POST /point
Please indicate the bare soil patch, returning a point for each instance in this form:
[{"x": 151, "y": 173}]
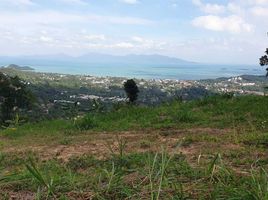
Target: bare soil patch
[{"x": 99, "y": 144}]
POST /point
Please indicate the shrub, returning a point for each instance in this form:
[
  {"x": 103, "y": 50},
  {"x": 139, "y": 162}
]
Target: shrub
[{"x": 85, "y": 123}]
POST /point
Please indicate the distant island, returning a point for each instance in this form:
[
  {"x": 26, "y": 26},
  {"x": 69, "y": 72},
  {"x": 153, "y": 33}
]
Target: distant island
[
  {"x": 130, "y": 59},
  {"x": 146, "y": 66},
  {"x": 17, "y": 67}
]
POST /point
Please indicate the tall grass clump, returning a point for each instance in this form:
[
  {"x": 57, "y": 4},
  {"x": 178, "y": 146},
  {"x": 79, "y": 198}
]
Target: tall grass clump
[
  {"x": 157, "y": 173},
  {"x": 85, "y": 123},
  {"x": 259, "y": 184},
  {"x": 118, "y": 151},
  {"x": 43, "y": 181}
]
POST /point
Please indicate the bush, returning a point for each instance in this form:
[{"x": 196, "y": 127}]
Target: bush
[{"x": 86, "y": 123}]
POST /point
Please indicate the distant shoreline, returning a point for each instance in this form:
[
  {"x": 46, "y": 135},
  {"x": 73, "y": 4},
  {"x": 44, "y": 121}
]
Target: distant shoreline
[
  {"x": 33, "y": 70},
  {"x": 146, "y": 74}
]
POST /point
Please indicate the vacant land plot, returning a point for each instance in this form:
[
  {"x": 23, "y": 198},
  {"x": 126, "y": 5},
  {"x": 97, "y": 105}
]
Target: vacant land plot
[{"x": 214, "y": 148}]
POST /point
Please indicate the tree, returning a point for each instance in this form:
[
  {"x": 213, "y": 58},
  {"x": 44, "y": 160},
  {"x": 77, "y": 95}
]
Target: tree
[
  {"x": 131, "y": 90},
  {"x": 14, "y": 96},
  {"x": 264, "y": 61}
]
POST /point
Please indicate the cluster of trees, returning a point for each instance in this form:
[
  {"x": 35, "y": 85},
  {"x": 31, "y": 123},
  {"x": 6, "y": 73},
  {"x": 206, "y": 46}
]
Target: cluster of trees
[{"x": 14, "y": 97}]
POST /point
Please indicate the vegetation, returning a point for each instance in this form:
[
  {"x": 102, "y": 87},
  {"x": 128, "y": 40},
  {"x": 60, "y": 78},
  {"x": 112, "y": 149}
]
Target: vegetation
[
  {"x": 131, "y": 90},
  {"x": 213, "y": 148},
  {"x": 65, "y": 96},
  {"x": 264, "y": 61},
  {"x": 14, "y": 96}
]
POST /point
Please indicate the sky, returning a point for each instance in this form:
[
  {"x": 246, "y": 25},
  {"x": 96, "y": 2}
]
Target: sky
[{"x": 207, "y": 31}]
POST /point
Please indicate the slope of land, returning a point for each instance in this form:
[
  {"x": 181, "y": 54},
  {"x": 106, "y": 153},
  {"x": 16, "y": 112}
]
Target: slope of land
[
  {"x": 214, "y": 148},
  {"x": 56, "y": 90}
]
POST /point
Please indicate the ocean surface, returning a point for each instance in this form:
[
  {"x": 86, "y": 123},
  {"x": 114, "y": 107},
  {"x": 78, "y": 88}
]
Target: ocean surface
[{"x": 176, "y": 72}]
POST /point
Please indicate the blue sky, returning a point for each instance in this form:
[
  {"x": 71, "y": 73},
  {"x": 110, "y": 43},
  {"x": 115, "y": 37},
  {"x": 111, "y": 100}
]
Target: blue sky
[{"x": 219, "y": 31}]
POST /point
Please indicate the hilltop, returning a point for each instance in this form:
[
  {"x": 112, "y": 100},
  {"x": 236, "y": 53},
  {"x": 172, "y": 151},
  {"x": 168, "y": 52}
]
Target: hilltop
[{"x": 204, "y": 149}]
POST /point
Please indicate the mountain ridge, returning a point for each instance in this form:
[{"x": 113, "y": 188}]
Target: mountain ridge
[{"x": 101, "y": 58}]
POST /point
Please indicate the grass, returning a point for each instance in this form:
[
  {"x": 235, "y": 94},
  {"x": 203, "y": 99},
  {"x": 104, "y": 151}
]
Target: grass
[
  {"x": 144, "y": 176},
  {"x": 248, "y": 112},
  {"x": 214, "y": 148}
]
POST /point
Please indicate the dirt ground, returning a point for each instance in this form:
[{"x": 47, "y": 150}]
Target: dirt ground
[{"x": 101, "y": 144}]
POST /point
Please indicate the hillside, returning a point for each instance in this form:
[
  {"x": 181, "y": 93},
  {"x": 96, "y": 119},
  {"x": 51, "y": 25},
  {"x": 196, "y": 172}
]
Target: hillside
[
  {"x": 213, "y": 148},
  {"x": 56, "y": 90}
]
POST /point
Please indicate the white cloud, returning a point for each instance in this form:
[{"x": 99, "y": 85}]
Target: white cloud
[
  {"x": 235, "y": 8},
  {"x": 25, "y": 19},
  {"x": 209, "y": 8},
  {"x": 17, "y": 2},
  {"x": 130, "y": 1},
  {"x": 259, "y": 2},
  {"x": 78, "y": 2},
  {"x": 119, "y": 20},
  {"x": 46, "y": 29},
  {"x": 95, "y": 37},
  {"x": 46, "y": 39},
  {"x": 232, "y": 24},
  {"x": 137, "y": 39},
  {"x": 260, "y": 11},
  {"x": 125, "y": 45}
]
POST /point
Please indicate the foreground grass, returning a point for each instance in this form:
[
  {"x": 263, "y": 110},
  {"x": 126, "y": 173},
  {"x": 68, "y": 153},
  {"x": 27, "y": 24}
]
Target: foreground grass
[
  {"x": 215, "y": 148},
  {"x": 132, "y": 176}
]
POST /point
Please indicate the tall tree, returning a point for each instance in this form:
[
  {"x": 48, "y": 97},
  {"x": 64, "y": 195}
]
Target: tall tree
[
  {"x": 131, "y": 90},
  {"x": 264, "y": 61}
]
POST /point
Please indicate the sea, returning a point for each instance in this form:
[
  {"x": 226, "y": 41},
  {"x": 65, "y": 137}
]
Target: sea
[{"x": 147, "y": 71}]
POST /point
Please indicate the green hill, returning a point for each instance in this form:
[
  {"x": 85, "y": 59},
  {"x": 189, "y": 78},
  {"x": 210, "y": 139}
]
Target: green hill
[
  {"x": 17, "y": 67},
  {"x": 213, "y": 148}
]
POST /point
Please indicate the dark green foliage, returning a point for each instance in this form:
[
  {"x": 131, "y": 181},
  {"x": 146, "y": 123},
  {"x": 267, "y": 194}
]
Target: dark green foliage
[
  {"x": 14, "y": 96},
  {"x": 264, "y": 61},
  {"x": 131, "y": 90}
]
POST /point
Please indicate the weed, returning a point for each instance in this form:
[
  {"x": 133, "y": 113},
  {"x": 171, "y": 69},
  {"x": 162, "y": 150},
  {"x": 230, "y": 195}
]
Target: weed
[
  {"x": 118, "y": 150},
  {"x": 259, "y": 184},
  {"x": 45, "y": 182},
  {"x": 156, "y": 173}
]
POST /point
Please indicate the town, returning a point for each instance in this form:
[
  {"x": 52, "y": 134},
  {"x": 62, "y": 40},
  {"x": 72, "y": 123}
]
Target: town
[{"x": 53, "y": 89}]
